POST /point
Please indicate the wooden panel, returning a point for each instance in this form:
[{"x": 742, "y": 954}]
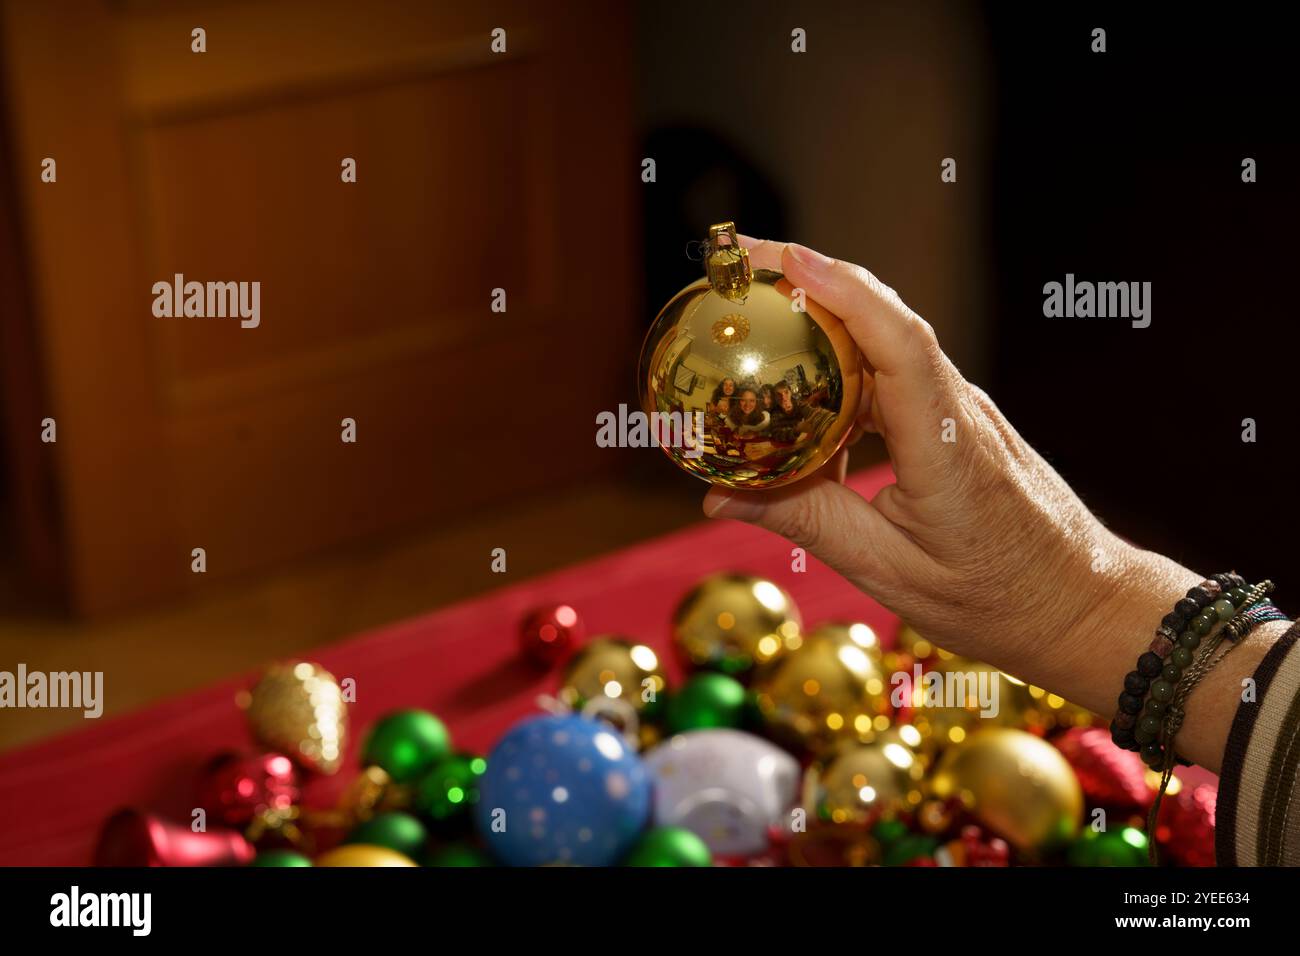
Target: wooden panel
[
  {"x": 475, "y": 171},
  {"x": 402, "y": 257}
]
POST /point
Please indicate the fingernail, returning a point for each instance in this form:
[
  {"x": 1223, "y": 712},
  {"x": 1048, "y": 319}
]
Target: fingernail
[
  {"x": 809, "y": 258},
  {"x": 719, "y": 503}
]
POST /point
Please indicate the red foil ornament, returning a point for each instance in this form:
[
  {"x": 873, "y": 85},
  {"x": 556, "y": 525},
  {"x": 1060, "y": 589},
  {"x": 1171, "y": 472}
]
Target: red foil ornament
[
  {"x": 237, "y": 788},
  {"x": 549, "y": 633},
  {"x": 1110, "y": 777},
  {"x": 1185, "y": 825},
  {"x": 134, "y": 838},
  {"x": 974, "y": 847}
]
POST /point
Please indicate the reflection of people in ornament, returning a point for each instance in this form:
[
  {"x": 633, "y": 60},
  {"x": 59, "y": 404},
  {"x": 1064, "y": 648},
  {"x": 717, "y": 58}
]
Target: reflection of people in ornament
[
  {"x": 746, "y": 417},
  {"x": 981, "y": 522},
  {"x": 787, "y": 416},
  {"x": 718, "y": 426},
  {"x": 725, "y": 390}
]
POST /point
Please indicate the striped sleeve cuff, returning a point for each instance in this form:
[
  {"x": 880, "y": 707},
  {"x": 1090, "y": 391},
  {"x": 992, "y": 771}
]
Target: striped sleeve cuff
[{"x": 1257, "y": 816}]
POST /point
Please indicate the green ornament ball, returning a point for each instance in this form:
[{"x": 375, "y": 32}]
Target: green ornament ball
[
  {"x": 669, "y": 846},
  {"x": 908, "y": 848},
  {"x": 406, "y": 743},
  {"x": 280, "y": 858},
  {"x": 445, "y": 794},
  {"x": 1126, "y": 846},
  {"x": 706, "y": 700},
  {"x": 395, "y": 830},
  {"x": 458, "y": 854},
  {"x": 889, "y": 830}
]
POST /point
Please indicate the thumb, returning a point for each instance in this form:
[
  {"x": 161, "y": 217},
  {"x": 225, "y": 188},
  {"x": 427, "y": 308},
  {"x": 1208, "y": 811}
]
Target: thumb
[{"x": 822, "y": 516}]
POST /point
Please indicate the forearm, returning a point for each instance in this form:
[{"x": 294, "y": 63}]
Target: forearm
[{"x": 1134, "y": 589}]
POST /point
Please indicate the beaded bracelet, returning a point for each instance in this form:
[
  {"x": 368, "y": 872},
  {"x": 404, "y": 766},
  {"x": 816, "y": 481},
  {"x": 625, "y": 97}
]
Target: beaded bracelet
[
  {"x": 1162, "y": 716},
  {"x": 1256, "y": 610},
  {"x": 1179, "y": 633}
]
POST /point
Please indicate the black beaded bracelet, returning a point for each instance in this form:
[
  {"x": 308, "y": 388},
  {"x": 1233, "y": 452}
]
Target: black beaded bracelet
[
  {"x": 1170, "y": 651},
  {"x": 1158, "y": 724},
  {"x": 1160, "y": 754}
]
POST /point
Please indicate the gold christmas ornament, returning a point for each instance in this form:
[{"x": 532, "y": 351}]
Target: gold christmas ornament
[
  {"x": 297, "y": 709},
  {"x": 1016, "y": 784},
  {"x": 363, "y": 854},
  {"x": 868, "y": 782},
  {"x": 956, "y": 697},
  {"x": 1051, "y": 711},
  {"x": 828, "y": 691},
  {"x": 747, "y": 381},
  {"x": 912, "y": 643},
  {"x": 612, "y": 668},
  {"x": 731, "y": 622},
  {"x": 371, "y": 792}
]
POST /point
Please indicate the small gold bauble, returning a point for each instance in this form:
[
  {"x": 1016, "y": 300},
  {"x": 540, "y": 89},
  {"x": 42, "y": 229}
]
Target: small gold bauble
[
  {"x": 912, "y": 643},
  {"x": 957, "y": 696},
  {"x": 731, "y": 622},
  {"x": 612, "y": 668},
  {"x": 1016, "y": 784},
  {"x": 363, "y": 854},
  {"x": 298, "y": 709},
  {"x": 1051, "y": 711},
  {"x": 744, "y": 388},
  {"x": 866, "y": 782},
  {"x": 828, "y": 691}
]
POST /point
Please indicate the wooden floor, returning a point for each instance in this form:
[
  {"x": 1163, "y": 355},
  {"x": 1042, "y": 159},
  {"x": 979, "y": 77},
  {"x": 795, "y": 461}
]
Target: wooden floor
[{"x": 171, "y": 649}]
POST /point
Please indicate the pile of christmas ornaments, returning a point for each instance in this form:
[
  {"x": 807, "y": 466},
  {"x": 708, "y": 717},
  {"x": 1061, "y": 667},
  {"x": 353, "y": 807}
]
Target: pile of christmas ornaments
[{"x": 784, "y": 745}]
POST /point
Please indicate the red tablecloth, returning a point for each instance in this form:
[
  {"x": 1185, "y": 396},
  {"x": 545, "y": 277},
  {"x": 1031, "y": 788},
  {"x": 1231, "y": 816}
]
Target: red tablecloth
[{"x": 461, "y": 662}]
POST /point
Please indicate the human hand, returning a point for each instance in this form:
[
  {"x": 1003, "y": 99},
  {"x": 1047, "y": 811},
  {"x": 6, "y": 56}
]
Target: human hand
[{"x": 979, "y": 543}]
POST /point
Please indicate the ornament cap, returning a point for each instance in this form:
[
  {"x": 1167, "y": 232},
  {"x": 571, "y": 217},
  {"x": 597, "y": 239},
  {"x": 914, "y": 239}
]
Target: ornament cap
[{"x": 727, "y": 264}]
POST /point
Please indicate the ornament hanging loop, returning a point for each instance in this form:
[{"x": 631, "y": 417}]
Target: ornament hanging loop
[{"x": 727, "y": 265}]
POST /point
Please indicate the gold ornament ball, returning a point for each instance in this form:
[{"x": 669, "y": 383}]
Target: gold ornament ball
[
  {"x": 868, "y": 782},
  {"x": 613, "y": 668},
  {"x": 363, "y": 854},
  {"x": 1016, "y": 784},
  {"x": 828, "y": 691},
  {"x": 731, "y": 622},
  {"x": 1052, "y": 711},
  {"x": 947, "y": 704},
  {"x": 742, "y": 387},
  {"x": 911, "y": 642},
  {"x": 297, "y": 709}
]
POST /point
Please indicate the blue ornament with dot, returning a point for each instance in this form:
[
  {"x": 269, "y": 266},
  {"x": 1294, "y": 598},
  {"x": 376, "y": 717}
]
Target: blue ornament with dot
[{"x": 562, "y": 789}]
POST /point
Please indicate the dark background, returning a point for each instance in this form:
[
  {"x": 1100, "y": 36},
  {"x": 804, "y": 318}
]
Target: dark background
[{"x": 1127, "y": 166}]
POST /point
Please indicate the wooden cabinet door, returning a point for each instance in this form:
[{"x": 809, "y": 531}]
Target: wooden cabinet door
[{"x": 476, "y": 171}]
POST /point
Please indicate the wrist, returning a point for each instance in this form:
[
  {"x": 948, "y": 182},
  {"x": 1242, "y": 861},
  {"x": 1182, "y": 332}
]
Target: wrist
[
  {"x": 1103, "y": 614},
  {"x": 1134, "y": 590}
]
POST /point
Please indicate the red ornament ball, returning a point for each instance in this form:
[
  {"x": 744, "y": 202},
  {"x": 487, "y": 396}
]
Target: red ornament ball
[
  {"x": 1185, "y": 825},
  {"x": 1110, "y": 777},
  {"x": 236, "y": 788},
  {"x": 549, "y": 633},
  {"x": 976, "y": 848}
]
